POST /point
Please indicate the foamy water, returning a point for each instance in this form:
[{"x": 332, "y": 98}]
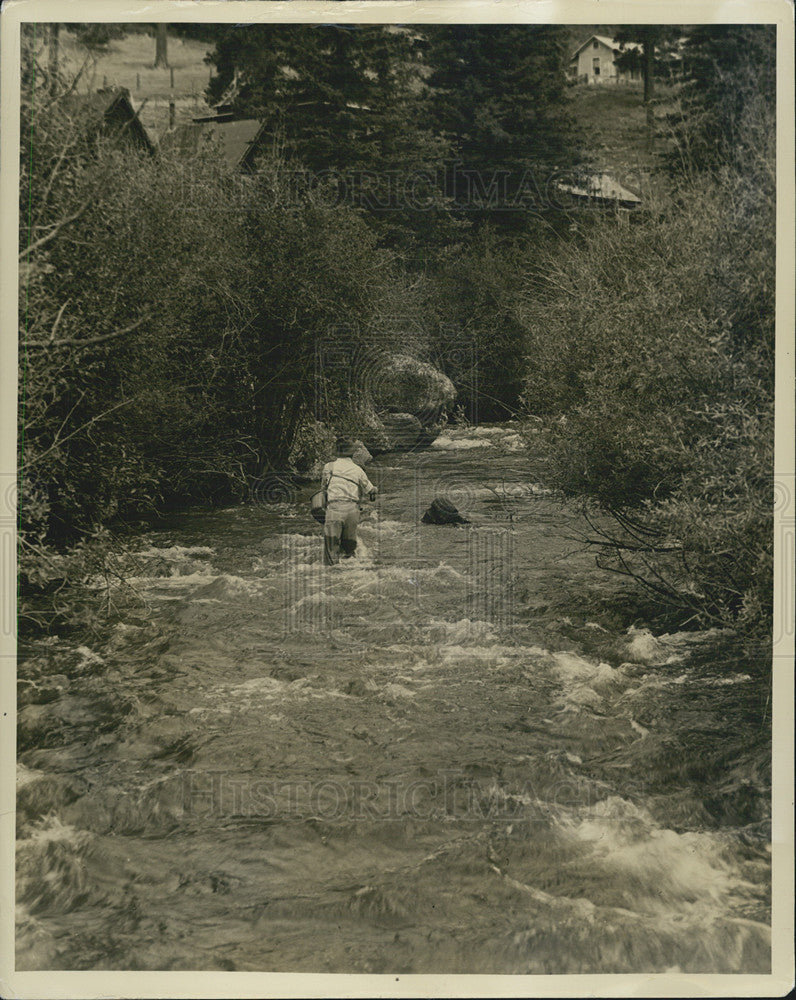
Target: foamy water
[{"x": 435, "y": 757}]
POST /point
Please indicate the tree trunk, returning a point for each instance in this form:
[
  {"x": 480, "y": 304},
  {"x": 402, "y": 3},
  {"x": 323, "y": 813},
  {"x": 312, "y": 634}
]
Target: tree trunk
[
  {"x": 161, "y": 45},
  {"x": 52, "y": 63}
]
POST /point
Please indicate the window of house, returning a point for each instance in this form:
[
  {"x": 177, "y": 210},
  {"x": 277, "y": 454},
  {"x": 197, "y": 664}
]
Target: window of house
[{"x": 594, "y": 44}]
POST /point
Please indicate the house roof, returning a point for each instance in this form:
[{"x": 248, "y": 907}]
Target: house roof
[
  {"x": 616, "y": 46},
  {"x": 237, "y": 138},
  {"x": 111, "y": 106},
  {"x": 601, "y": 187}
]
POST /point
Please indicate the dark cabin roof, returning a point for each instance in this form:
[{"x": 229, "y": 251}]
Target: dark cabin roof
[
  {"x": 237, "y": 138},
  {"x": 112, "y": 112}
]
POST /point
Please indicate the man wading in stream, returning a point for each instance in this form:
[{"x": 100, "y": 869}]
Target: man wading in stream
[{"x": 346, "y": 485}]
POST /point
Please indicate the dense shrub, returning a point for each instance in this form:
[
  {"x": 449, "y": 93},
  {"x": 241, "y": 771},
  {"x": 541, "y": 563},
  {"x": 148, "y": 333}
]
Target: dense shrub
[
  {"x": 170, "y": 318},
  {"x": 651, "y": 354},
  {"x": 478, "y": 338}
]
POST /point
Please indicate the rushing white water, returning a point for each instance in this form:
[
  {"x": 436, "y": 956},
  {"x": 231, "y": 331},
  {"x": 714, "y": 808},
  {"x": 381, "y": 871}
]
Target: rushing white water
[{"x": 439, "y": 757}]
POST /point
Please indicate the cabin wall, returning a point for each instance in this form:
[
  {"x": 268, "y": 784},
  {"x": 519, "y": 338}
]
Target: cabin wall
[
  {"x": 583, "y": 67},
  {"x": 586, "y": 67}
]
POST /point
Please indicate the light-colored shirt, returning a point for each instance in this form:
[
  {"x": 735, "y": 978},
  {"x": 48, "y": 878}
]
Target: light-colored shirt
[{"x": 345, "y": 480}]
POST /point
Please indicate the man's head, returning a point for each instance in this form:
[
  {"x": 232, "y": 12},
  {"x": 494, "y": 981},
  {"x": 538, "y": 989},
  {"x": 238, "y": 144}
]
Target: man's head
[{"x": 344, "y": 447}]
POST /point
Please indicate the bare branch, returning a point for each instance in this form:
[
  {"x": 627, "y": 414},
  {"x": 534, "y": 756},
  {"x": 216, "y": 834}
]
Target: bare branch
[
  {"x": 88, "y": 341},
  {"x": 57, "y": 321},
  {"x": 89, "y": 423},
  {"x": 53, "y": 174},
  {"x": 58, "y": 227},
  {"x": 66, "y": 419}
]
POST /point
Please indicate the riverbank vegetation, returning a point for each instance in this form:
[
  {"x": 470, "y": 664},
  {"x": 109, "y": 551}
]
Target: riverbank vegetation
[
  {"x": 659, "y": 396},
  {"x": 652, "y": 354},
  {"x": 177, "y": 319}
]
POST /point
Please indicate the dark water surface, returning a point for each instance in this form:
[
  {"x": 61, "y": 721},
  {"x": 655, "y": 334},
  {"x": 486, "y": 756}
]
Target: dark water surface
[{"x": 438, "y": 757}]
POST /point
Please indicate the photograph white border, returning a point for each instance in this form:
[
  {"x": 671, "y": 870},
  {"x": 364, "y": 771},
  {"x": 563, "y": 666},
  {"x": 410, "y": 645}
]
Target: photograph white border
[{"x": 78, "y": 985}]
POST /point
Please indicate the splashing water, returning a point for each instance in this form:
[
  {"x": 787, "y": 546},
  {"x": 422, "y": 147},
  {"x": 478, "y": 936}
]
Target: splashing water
[{"x": 411, "y": 762}]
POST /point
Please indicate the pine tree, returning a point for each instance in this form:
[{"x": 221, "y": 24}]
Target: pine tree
[
  {"x": 331, "y": 90},
  {"x": 385, "y": 99},
  {"x": 499, "y": 93},
  {"x": 728, "y": 96},
  {"x": 342, "y": 102}
]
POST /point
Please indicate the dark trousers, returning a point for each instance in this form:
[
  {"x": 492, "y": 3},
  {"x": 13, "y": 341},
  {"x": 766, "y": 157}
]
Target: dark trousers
[{"x": 340, "y": 530}]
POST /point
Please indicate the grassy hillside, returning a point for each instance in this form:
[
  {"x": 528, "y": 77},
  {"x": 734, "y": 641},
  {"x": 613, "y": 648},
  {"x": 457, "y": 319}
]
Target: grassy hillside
[
  {"x": 613, "y": 119},
  {"x": 128, "y": 62}
]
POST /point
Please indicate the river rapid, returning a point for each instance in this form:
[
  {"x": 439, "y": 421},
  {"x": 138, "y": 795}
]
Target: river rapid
[{"x": 445, "y": 755}]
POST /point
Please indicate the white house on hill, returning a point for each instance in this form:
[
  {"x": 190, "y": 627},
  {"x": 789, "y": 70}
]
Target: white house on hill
[{"x": 594, "y": 61}]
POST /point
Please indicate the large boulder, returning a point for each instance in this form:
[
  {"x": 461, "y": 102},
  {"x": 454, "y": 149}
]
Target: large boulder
[
  {"x": 408, "y": 402},
  {"x": 406, "y": 385},
  {"x": 373, "y": 434}
]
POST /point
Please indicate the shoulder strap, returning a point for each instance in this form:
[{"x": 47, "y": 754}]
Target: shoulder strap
[{"x": 332, "y": 474}]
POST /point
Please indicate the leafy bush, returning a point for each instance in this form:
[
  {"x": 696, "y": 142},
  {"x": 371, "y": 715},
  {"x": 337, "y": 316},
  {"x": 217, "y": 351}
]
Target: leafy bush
[
  {"x": 170, "y": 318},
  {"x": 476, "y": 333},
  {"x": 651, "y": 355}
]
